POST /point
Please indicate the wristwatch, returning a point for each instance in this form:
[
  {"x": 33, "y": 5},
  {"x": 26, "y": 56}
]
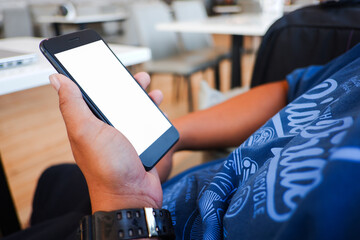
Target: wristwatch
[{"x": 127, "y": 224}]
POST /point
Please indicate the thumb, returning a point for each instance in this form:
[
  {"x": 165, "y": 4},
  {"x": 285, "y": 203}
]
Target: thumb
[{"x": 72, "y": 105}]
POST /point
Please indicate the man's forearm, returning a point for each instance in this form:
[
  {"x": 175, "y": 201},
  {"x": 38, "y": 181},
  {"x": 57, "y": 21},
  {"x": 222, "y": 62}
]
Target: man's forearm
[{"x": 230, "y": 123}]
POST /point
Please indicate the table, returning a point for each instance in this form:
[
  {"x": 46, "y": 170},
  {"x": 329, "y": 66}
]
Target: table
[
  {"x": 80, "y": 20},
  {"x": 238, "y": 25},
  {"x": 37, "y": 73},
  {"x": 226, "y": 9}
]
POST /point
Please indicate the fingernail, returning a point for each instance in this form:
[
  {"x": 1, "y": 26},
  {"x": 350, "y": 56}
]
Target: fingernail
[{"x": 54, "y": 80}]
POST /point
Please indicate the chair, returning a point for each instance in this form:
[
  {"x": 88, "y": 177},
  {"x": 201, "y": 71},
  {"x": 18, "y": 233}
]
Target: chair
[
  {"x": 250, "y": 6},
  {"x": 9, "y": 222},
  {"x": 17, "y": 22},
  {"x": 195, "y": 10},
  {"x": 308, "y": 36},
  {"x": 166, "y": 54}
]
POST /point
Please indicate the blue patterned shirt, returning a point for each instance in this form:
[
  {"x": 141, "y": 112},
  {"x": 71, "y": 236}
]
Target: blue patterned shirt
[{"x": 297, "y": 177}]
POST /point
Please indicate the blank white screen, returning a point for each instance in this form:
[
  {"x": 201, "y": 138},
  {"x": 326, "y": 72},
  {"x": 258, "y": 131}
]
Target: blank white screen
[{"x": 114, "y": 91}]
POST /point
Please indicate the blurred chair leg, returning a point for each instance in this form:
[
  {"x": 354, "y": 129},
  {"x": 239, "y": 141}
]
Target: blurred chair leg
[
  {"x": 237, "y": 46},
  {"x": 149, "y": 87},
  {"x": 217, "y": 76},
  {"x": 190, "y": 94},
  {"x": 176, "y": 87}
]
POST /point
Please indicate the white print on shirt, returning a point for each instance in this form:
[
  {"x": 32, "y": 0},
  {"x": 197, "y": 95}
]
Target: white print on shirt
[
  {"x": 353, "y": 82},
  {"x": 261, "y": 136},
  {"x": 293, "y": 171},
  {"x": 244, "y": 167},
  {"x": 302, "y": 114},
  {"x": 351, "y": 154},
  {"x": 169, "y": 201},
  {"x": 301, "y": 166},
  {"x": 298, "y": 169},
  {"x": 239, "y": 202}
]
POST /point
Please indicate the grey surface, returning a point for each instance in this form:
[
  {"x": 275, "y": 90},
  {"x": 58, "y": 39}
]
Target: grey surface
[
  {"x": 166, "y": 52},
  {"x": 17, "y": 22}
]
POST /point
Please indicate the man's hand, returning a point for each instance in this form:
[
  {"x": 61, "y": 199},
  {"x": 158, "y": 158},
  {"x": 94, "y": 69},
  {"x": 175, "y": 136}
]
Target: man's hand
[{"x": 111, "y": 166}]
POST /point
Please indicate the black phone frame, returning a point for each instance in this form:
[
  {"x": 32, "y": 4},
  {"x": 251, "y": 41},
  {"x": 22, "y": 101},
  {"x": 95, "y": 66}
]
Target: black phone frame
[{"x": 49, "y": 47}]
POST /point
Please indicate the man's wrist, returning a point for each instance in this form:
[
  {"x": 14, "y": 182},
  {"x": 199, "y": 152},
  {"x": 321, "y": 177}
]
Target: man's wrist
[{"x": 101, "y": 201}]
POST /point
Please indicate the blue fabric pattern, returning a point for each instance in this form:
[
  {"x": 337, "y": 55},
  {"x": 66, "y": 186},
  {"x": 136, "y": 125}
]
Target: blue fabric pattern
[{"x": 294, "y": 178}]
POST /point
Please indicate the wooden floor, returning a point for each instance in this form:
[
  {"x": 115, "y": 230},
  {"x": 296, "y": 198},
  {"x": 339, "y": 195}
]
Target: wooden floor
[{"x": 33, "y": 136}]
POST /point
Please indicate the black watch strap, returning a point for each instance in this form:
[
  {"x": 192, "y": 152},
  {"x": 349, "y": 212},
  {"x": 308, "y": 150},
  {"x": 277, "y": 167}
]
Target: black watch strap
[{"x": 128, "y": 224}]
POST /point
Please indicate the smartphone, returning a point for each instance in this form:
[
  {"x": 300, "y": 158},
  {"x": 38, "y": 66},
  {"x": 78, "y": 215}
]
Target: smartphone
[{"x": 111, "y": 92}]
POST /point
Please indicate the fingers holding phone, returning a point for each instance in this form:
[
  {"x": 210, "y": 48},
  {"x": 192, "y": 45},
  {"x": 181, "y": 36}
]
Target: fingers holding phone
[{"x": 144, "y": 80}]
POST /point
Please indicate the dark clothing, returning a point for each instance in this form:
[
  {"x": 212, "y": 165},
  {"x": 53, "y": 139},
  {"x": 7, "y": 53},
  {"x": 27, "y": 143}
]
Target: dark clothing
[{"x": 61, "y": 200}]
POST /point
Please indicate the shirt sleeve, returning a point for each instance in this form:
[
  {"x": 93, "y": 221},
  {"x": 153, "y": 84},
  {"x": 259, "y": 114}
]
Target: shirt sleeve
[{"x": 300, "y": 80}]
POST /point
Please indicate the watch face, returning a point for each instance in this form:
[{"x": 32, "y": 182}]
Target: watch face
[{"x": 128, "y": 224}]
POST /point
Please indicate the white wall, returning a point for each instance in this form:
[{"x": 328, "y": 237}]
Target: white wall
[
  {"x": 10, "y": 3},
  {"x": 60, "y": 1}
]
